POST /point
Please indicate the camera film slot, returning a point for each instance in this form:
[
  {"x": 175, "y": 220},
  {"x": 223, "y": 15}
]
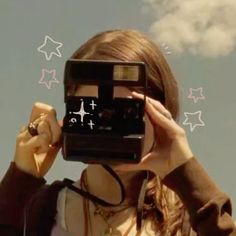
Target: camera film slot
[{"x": 102, "y": 148}]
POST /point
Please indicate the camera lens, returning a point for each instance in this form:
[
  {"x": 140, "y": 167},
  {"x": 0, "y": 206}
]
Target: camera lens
[
  {"x": 106, "y": 114},
  {"x": 130, "y": 113}
]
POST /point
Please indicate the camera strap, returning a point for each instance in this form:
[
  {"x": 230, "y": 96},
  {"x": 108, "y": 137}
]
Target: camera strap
[{"x": 69, "y": 184}]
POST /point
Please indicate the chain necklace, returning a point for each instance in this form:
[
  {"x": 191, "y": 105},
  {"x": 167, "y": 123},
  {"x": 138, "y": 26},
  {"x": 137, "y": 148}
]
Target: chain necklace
[
  {"x": 104, "y": 214},
  {"x": 107, "y": 214},
  {"x": 110, "y": 230}
]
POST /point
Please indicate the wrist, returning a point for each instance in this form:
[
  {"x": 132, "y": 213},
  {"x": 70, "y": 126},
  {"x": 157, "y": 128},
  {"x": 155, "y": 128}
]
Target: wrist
[{"x": 178, "y": 157}]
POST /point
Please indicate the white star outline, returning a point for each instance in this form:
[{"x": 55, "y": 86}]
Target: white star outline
[
  {"x": 193, "y": 126},
  {"x": 49, "y": 55},
  {"x": 49, "y": 82},
  {"x": 194, "y": 97}
]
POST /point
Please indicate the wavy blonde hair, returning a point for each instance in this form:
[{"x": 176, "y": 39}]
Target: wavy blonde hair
[{"x": 162, "y": 207}]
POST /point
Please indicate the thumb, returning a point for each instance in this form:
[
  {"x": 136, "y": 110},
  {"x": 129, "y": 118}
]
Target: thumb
[{"x": 46, "y": 160}]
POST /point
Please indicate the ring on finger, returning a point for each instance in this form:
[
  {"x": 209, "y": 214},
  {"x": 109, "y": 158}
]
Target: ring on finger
[
  {"x": 33, "y": 129},
  {"x": 33, "y": 126}
]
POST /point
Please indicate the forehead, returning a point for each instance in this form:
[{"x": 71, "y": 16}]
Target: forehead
[{"x": 92, "y": 90}]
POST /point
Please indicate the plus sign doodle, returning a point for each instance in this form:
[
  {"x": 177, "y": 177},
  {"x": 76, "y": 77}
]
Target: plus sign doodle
[
  {"x": 91, "y": 124},
  {"x": 82, "y": 113},
  {"x": 93, "y": 105}
]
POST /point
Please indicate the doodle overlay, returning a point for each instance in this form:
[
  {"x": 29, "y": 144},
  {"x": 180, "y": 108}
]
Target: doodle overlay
[
  {"x": 166, "y": 48},
  {"x": 81, "y": 113},
  {"x": 193, "y": 120},
  {"x": 50, "y": 47},
  {"x": 48, "y": 77},
  {"x": 196, "y": 94}
]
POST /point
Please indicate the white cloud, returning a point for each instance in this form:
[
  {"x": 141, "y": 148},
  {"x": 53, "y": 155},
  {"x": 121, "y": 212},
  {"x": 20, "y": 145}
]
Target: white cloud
[{"x": 205, "y": 27}]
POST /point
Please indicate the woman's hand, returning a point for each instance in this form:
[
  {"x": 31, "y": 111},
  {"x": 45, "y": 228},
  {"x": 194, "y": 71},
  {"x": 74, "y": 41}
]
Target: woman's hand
[
  {"x": 36, "y": 154},
  {"x": 171, "y": 149}
]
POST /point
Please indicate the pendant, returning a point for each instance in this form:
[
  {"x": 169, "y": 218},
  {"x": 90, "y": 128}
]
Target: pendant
[{"x": 111, "y": 232}]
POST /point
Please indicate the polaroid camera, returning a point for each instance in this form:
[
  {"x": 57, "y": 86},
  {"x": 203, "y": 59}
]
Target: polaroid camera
[{"x": 104, "y": 129}]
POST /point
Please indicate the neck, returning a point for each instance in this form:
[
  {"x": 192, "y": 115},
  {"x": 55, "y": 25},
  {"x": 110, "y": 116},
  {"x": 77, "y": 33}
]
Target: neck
[{"x": 103, "y": 185}]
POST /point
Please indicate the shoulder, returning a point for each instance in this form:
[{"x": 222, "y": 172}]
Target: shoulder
[
  {"x": 46, "y": 196},
  {"x": 41, "y": 210}
]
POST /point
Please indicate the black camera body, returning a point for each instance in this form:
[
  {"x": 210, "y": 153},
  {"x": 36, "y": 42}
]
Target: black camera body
[{"x": 104, "y": 129}]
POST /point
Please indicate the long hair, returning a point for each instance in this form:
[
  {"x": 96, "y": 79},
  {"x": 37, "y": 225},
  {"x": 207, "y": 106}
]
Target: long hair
[{"x": 162, "y": 207}]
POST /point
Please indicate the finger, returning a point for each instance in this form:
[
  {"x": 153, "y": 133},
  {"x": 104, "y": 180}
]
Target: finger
[
  {"x": 49, "y": 114},
  {"x": 38, "y": 144},
  {"x": 48, "y": 159},
  {"x": 55, "y": 128},
  {"x": 158, "y": 118},
  {"x": 41, "y": 108},
  {"x": 24, "y": 133},
  {"x": 51, "y": 126},
  {"x": 158, "y": 105},
  {"x": 44, "y": 128},
  {"x": 41, "y": 143},
  {"x": 140, "y": 96},
  {"x": 137, "y": 95},
  {"x": 60, "y": 122}
]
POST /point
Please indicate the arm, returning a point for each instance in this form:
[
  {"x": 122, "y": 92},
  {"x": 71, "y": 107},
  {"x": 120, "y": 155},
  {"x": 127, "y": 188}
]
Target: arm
[
  {"x": 34, "y": 155},
  {"x": 209, "y": 208},
  {"x": 16, "y": 188},
  {"x": 172, "y": 160}
]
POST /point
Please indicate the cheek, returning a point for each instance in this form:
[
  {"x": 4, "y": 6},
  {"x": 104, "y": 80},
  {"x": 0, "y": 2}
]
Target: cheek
[{"x": 149, "y": 136}]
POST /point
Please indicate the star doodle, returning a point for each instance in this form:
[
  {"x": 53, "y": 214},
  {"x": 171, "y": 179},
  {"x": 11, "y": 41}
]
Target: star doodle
[
  {"x": 192, "y": 116},
  {"x": 196, "y": 94},
  {"x": 50, "y": 47},
  {"x": 48, "y": 77},
  {"x": 81, "y": 112}
]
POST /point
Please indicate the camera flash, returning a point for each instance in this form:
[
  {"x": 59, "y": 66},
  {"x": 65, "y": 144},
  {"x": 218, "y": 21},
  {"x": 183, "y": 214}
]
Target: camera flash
[{"x": 127, "y": 73}]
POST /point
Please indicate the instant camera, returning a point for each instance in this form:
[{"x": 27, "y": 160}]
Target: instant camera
[{"x": 104, "y": 129}]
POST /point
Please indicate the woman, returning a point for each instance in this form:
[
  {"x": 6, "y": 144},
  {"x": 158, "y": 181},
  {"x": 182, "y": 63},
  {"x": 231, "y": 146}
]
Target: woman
[{"x": 180, "y": 198}]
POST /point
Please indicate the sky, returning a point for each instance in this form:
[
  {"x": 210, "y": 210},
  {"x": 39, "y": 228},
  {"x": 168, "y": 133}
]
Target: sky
[{"x": 197, "y": 38}]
